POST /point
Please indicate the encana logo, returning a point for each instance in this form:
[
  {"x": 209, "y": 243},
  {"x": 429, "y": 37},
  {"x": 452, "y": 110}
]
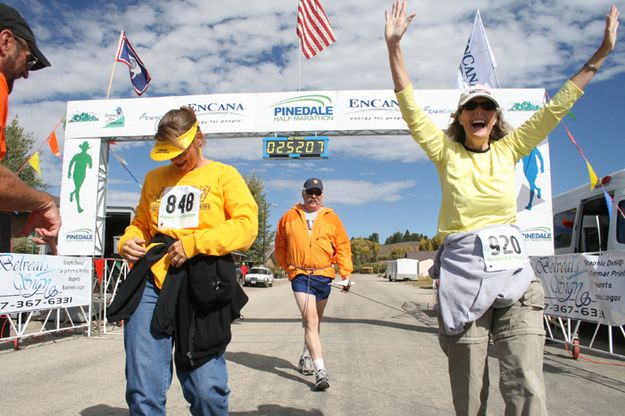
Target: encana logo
[
  {"x": 79, "y": 235},
  {"x": 312, "y": 106},
  {"x": 537, "y": 234}
]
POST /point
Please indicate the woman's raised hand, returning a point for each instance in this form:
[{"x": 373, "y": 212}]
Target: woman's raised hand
[
  {"x": 611, "y": 25},
  {"x": 396, "y": 22}
]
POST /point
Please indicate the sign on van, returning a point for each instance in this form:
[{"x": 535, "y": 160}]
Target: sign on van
[{"x": 589, "y": 287}]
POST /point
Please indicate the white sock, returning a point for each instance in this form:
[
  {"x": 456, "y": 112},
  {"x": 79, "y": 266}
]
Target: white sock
[
  {"x": 319, "y": 364},
  {"x": 306, "y": 353}
]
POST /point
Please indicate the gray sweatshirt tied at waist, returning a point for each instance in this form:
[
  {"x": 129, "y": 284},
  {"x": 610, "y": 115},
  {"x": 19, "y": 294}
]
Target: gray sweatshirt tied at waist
[{"x": 466, "y": 290}]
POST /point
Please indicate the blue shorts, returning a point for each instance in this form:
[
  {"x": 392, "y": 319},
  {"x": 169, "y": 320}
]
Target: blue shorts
[{"x": 314, "y": 285}]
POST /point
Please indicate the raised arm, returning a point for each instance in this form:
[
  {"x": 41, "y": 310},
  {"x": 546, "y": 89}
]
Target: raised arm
[
  {"x": 396, "y": 25},
  {"x": 585, "y": 74}
]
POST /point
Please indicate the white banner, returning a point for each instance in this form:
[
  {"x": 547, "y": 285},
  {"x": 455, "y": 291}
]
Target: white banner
[
  {"x": 35, "y": 282},
  {"x": 255, "y": 114},
  {"x": 584, "y": 286},
  {"x": 78, "y": 200}
]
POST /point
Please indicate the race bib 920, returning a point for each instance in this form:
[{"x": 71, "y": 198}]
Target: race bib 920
[
  {"x": 180, "y": 207},
  {"x": 503, "y": 248}
]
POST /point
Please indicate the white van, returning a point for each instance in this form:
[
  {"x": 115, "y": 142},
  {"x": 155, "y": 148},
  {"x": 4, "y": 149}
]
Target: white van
[
  {"x": 402, "y": 269},
  {"x": 581, "y": 220}
]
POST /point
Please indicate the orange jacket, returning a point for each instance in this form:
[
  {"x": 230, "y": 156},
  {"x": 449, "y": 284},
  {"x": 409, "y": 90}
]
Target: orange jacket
[{"x": 299, "y": 252}]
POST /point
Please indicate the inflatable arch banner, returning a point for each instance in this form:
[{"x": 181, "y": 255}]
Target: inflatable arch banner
[{"x": 90, "y": 124}]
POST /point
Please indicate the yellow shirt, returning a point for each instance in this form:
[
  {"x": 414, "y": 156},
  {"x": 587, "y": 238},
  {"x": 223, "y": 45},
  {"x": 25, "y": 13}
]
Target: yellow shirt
[
  {"x": 478, "y": 188},
  {"x": 228, "y": 215}
]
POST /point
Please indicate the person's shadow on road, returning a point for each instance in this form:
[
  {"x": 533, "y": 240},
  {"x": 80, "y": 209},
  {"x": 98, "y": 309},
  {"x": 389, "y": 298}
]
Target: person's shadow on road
[
  {"x": 103, "y": 410},
  {"x": 278, "y": 366},
  {"x": 277, "y": 410}
]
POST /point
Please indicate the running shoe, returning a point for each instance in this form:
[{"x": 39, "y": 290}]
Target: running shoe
[
  {"x": 306, "y": 365},
  {"x": 321, "y": 380}
]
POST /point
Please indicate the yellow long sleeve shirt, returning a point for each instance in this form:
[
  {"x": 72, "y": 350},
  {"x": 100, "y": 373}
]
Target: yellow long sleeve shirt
[
  {"x": 228, "y": 214},
  {"x": 478, "y": 188}
]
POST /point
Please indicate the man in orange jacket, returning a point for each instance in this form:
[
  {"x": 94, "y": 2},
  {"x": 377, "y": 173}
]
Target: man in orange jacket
[
  {"x": 310, "y": 240},
  {"x": 20, "y": 55}
]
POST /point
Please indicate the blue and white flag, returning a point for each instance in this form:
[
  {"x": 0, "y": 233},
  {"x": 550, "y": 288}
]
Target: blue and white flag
[
  {"x": 139, "y": 75},
  {"x": 478, "y": 63}
]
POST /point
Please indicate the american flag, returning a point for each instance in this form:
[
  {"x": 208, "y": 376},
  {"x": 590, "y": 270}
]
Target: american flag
[{"x": 313, "y": 28}]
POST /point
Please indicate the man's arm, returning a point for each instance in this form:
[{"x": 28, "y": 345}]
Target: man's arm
[{"x": 15, "y": 195}]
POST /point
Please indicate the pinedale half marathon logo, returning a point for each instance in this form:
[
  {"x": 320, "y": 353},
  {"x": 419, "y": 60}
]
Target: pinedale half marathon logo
[{"x": 312, "y": 107}]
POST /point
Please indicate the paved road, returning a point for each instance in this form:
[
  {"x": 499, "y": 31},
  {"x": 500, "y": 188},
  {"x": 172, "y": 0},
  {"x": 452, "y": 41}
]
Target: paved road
[{"x": 382, "y": 355}]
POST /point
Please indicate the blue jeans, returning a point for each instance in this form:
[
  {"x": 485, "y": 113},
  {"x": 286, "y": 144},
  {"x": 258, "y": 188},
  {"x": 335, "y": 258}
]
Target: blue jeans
[{"x": 149, "y": 368}]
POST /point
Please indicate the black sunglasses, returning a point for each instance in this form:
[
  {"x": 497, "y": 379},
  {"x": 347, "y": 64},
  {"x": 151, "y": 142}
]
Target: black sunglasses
[
  {"x": 487, "y": 105},
  {"x": 31, "y": 60},
  {"x": 316, "y": 192}
]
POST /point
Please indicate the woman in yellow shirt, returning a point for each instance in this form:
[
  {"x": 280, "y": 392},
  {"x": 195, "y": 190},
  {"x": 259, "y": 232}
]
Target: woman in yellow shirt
[
  {"x": 480, "y": 296},
  {"x": 191, "y": 215}
]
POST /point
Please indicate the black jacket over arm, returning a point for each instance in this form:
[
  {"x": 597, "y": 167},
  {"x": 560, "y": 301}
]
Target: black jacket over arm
[{"x": 196, "y": 304}]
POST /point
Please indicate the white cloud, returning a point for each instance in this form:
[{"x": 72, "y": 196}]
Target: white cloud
[
  {"x": 348, "y": 192},
  {"x": 197, "y": 47}
]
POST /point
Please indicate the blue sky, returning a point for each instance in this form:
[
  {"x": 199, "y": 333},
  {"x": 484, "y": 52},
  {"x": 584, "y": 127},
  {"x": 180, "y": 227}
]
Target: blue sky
[{"x": 377, "y": 184}]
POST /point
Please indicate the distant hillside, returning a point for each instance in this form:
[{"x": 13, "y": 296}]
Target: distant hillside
[
  {"x": 408, "y": 247},
  {"x": 385, "y": 249}
]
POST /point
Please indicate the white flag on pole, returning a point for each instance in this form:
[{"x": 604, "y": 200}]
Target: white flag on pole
[{"x": 478, "y": 63}]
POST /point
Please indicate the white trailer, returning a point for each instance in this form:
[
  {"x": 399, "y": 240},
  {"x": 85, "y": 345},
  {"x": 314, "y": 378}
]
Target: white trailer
[
  {"x": 581, "y": 219},
  {"x": 402, "y": 269}
]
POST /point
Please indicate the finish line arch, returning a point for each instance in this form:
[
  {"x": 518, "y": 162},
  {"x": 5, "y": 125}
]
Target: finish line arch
[{"x": 92, "y": 124}]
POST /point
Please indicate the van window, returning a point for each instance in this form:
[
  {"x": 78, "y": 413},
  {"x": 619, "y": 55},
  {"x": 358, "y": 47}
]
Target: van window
[
  {"x": 563, "y": 228},
  {"x": 620, "y": 224},
  {"x": 594, "y": 226}
]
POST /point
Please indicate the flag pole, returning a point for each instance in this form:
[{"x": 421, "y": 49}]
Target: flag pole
[
  {"x": 39, "y": 147},
  {"x": 299, "y": 63},
  {"x": 299, "y": 51},
  {"x": 119, "y": 45}
]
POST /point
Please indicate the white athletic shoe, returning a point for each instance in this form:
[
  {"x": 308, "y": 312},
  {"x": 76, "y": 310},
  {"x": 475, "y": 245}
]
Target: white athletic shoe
[
  {"x": 321, "y": 380},
  {"x": 305, "y": 365}
]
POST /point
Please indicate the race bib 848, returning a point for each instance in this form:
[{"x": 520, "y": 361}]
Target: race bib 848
[{"x": 180, "y": 207}]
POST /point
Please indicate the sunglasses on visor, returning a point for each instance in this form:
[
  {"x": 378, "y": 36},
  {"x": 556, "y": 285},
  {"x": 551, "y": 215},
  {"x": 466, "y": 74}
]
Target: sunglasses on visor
[{"x": 484, "y": 105}]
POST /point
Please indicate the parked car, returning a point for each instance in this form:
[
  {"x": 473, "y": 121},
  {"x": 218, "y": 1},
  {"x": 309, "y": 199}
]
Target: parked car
[{"x": 259, "y": 276}]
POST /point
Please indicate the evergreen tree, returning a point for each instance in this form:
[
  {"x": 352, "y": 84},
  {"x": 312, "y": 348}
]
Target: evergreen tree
[
  {"x": 375, "y": 237},
  {"x": 406, "y": 236},
  {"x": 261, "y": 247},
  {"x": 19, "y": 145}
]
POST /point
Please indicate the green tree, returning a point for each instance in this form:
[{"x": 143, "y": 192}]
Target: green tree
[
  {"x": 406, "y": 236},
  {"x": 424, "y": 244},
  {"x": 396, "y": 237},
  {"x": 19, "y": 145},
  {"x": 435, "y": 243},
  {"x": 375, "y": 237},
  {"x": 364, "y": 251},
  {"x": 261, "y": 247}
]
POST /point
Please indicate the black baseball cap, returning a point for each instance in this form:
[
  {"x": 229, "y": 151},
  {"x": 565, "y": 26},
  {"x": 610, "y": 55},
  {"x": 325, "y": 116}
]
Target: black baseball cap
[
  {"x": 12, "y": 20},
  {"x": 313, "y": 183}
]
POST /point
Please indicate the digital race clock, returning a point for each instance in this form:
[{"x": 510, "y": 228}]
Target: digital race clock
[{"x": 295, "y": 147}]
